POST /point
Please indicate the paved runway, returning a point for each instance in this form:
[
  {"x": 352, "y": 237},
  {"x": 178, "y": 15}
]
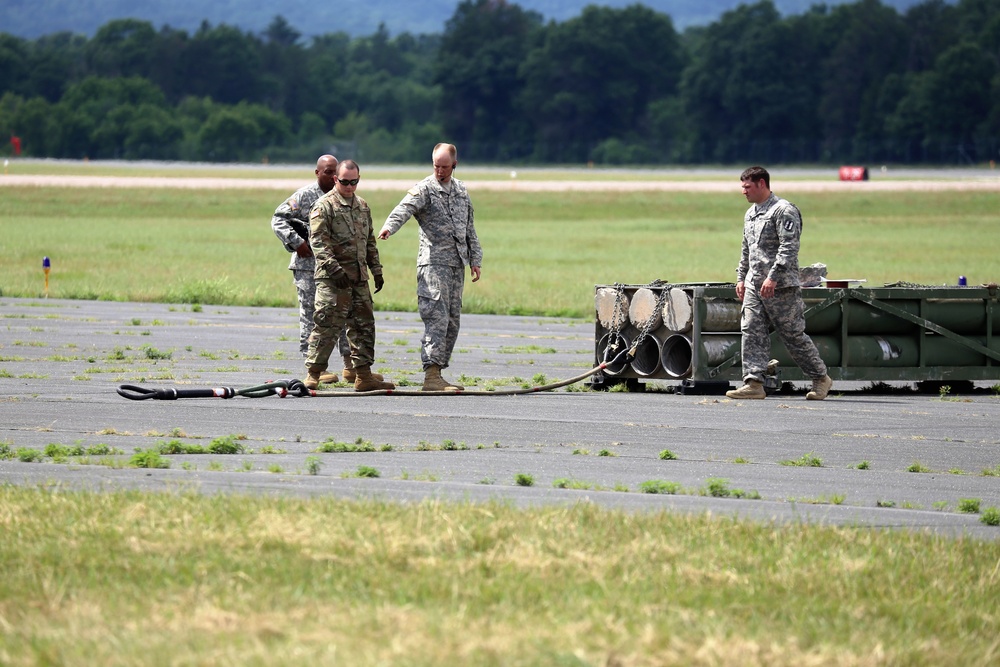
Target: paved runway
[{"x": 62, "y": 361}]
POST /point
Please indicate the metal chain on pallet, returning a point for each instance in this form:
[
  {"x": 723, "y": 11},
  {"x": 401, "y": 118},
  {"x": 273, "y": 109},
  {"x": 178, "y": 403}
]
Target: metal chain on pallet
[
  {"x": 647, "y": 328},
  {"x": 618, "y": 317},
  {"x": 618, "y": 314},
  {"x": 904, "y": 283}
]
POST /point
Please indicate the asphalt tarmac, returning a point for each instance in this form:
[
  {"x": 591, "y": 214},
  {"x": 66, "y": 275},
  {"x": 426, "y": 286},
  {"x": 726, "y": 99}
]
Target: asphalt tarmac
[{"x": 62, "y": 361}]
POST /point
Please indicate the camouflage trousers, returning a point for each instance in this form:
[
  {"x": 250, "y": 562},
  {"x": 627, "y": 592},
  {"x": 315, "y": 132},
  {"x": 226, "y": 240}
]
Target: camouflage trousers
[
  {"x": 783, "y": 312},
  {"x": 338, "y": 312},
  {"x": 439, "y": 301},
  {"x": 305, "y": 285}
]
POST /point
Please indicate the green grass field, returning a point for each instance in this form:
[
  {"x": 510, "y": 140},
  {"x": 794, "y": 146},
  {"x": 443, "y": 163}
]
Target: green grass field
[
  {"x": 128, "y": 578},
  {"x": 544, "y": 251}
]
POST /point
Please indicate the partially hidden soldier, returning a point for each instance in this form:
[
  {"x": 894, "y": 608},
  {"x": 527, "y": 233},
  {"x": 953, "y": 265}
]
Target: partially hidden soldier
[
  {"x": 343, "y": 242},
  {"x": 448, "y": 242},
  {"x": 767, "y": 282},
  {"x": 291, "y": 225}
]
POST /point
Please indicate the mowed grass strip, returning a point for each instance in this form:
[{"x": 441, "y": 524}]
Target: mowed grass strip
[
  {"x": 132, "y": 578},
  {"x": 544, "y": 252}
]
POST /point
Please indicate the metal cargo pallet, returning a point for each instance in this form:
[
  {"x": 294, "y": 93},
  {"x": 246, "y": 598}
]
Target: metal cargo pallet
[{"x": 691, "y": 332}]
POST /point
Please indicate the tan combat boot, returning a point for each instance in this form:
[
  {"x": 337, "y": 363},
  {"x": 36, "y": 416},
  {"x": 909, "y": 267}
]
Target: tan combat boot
[
  {"x": 434, "y": 382},
  {"x": 365, "y": 380},
  {"x": 313, "y": 378},
  {"x": 752, "y": 389},
  {"x": 820, "y": 389},
  {"x": 328, "y": 378},
  {"x": 350, "y": 375}
]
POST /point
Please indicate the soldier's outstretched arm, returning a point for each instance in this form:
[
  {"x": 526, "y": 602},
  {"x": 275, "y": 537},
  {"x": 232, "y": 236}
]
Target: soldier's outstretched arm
[{"x": 406, "y": 209}]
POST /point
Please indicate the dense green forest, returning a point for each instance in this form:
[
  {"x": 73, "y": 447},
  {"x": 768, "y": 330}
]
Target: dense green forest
[{"x": 856, "y": 82}]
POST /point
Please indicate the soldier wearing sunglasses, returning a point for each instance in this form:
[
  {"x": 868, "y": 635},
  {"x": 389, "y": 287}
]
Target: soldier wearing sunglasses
[
  {"x": 290, "y": 224},
  {"x": 343, "y": 240}
]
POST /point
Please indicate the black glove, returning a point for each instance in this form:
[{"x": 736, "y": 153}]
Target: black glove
[
  {"x": 340, "y": 280},
  {"x": 379, "y": 282}
]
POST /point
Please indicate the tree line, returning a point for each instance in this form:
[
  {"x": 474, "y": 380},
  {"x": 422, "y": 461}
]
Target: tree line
[{"x": 857, "y": 82}]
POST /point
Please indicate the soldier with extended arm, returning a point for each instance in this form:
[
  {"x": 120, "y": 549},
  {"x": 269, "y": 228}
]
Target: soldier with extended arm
[{"x": 448, "y": 242}]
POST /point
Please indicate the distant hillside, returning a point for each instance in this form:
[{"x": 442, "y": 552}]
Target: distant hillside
[{"x": 33, "y": 18}]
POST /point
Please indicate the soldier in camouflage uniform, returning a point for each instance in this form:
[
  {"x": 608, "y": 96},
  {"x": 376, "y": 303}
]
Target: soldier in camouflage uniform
[
  {"x": 448, "y": 242},
  {"x": 767, "y": 282},
  {"x": 291, "y": 225},
  {"x": 343, "y": 240}
]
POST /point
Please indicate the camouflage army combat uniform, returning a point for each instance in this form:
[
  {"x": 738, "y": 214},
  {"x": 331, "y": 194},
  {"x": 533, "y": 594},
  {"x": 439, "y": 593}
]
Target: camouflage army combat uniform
[
  {"x": 448, "y": 243},
  {"x": 291, "y": 225},
  {"x": 771, "y": 232},
  {"x": 342, "y": 240}
]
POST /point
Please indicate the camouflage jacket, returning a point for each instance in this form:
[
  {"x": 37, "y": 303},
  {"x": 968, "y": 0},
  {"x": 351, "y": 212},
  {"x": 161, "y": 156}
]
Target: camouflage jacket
[
  {"x": 447, "y": 223},
  {"x": 291, "y": 224},
  {"x": 771, "y": 232},
  {"x": 342, "y": 237}
]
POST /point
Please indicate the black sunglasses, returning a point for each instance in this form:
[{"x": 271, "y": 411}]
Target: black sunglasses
[{"x": 345, "y": 181}]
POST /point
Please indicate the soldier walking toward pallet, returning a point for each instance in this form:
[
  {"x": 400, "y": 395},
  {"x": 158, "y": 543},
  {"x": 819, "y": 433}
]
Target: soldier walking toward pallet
[{"x": 767, "y": 282}]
